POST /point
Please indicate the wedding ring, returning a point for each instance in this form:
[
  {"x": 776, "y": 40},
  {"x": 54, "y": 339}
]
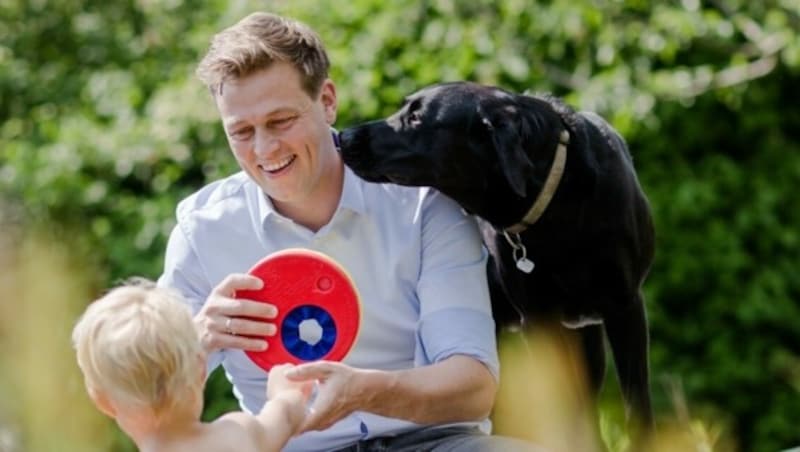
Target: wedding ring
[{"x": 228, "y": 327}]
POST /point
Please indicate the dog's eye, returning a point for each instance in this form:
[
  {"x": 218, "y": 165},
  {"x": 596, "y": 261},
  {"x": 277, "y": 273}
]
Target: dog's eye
[{"x": 414, "y": 118}]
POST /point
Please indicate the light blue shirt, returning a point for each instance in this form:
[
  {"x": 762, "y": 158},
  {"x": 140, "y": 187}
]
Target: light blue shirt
[{"x": 416, "y": 259}]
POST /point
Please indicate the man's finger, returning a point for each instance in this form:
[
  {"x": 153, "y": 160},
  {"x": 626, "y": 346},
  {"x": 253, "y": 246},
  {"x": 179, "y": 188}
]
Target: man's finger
[
  {"x": 246, "y": 327},
  {"x": 311, "y": 421},
  {"x": 249, "y": 308},
  {"x": 237, "y": 281},
  {"x": 318, "y": 414},
  {"x": 240, "y": 307},
  {"x": 241, "y": 342},
  {"x": 309, "y": 371}
]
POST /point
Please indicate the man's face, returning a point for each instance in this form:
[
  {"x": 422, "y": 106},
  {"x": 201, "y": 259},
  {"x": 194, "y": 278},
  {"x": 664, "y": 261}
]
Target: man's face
[{"x": 279, "y": 134}]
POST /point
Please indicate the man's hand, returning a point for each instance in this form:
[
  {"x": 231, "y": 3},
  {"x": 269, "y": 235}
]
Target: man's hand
[
  {"x": 226, "y": 322},
  {"x": 456, "y": 389},
  {"x": 340, "y": 391}
]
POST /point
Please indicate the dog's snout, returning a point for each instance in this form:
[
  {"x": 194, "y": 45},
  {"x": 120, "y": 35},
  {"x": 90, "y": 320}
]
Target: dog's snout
[
  {"x": 363, "y": 140},
  {"x": 354, "y": 146},
  {"x": 348, "y": 137},
  {"x": 353, "y": 142}
]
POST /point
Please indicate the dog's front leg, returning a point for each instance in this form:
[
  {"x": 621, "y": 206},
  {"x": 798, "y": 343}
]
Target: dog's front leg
[{"x": 627, "y": 333}]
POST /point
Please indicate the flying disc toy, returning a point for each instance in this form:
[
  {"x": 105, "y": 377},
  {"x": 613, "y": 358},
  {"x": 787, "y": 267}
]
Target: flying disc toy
[{"x": 319, "y": 309}]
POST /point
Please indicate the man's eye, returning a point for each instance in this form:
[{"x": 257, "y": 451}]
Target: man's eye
[
  {"x": 281, "y": 122},
  {"x": 241, "y": 134}
]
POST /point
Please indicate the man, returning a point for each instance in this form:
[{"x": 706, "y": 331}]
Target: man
[{"x": 423, "y": 371}]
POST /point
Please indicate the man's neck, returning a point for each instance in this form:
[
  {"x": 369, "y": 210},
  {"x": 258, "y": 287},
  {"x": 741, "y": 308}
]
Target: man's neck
[{"x": 318, "y": 210}]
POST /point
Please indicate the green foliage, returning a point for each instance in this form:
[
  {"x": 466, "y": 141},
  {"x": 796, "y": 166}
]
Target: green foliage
[{"x": 103, "y": 126}]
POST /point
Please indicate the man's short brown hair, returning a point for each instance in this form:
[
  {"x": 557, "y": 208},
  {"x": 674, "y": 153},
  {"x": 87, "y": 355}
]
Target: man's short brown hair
[{"x": 257, "y": 41}]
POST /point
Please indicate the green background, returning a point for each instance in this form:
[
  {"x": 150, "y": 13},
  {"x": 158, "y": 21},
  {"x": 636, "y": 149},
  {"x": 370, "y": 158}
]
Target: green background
[{"x": 103, "y": 128}]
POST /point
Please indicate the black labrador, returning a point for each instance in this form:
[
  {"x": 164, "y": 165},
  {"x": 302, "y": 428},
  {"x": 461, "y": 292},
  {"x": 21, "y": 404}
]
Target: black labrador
[{"x": 567, "y": 225}]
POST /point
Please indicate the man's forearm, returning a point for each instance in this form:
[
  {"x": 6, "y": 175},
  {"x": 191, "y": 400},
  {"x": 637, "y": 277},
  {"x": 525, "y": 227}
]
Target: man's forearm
[{"x": 457, "y": 389}]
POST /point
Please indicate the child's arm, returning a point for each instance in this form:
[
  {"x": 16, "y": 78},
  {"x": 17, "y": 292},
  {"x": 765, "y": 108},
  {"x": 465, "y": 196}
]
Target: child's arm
[
  {"x": 282, "y": 415},
  {"x": 285, "y": 410}
]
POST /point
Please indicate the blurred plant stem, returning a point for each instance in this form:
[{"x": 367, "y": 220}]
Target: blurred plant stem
[{"x": 43, "y": 404}]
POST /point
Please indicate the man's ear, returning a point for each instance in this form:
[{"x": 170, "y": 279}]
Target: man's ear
[
  {"x": 329, "y": 103},
  {"x": 508, "y": 131}
]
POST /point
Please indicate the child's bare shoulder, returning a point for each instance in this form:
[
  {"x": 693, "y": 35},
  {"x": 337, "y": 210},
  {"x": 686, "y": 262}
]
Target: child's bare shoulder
[
  {"x": 226, "y": 434},
  {"x": 240, "y": 431}
]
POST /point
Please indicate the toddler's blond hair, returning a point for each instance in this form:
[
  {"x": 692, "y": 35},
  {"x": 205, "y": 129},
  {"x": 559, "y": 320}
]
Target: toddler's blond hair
[{"x": 137, "y": 346}]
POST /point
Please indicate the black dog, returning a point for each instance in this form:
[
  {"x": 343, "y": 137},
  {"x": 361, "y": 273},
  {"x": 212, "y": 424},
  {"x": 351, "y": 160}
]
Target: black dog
[{"x": 566, "y": 223}]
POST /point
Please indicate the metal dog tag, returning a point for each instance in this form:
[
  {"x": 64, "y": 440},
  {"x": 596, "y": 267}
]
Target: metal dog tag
[{"x": 525, "y": 265}]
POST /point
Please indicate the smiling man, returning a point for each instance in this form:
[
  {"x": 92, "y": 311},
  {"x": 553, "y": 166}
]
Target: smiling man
[
  {"x": 422, "y": 373},
  {"x": 281, "y": 138}
]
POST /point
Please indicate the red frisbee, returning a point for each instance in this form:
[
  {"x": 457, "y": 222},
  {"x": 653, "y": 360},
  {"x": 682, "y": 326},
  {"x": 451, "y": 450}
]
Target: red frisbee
[{"x": 319, "y": 310}]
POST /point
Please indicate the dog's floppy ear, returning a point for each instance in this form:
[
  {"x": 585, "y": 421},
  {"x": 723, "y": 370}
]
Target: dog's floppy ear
[{"x": 508, "y": 131}]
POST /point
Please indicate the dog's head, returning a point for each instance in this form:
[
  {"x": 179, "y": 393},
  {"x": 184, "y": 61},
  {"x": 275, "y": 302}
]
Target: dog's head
[{"x": 469, "y": 141}]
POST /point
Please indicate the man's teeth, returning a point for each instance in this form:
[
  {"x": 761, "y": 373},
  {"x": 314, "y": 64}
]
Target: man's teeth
[{"x": 278, "y": 165}]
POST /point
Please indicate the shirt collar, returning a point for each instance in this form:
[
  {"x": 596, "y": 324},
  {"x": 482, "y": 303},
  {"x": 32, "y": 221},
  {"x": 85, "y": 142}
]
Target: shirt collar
[
  {"x": 352, "y": 192},
  {"x": 352, "y": 197}
]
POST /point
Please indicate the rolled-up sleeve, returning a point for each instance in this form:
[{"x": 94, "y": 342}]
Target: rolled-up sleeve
[{"x": 455, "y": 308}]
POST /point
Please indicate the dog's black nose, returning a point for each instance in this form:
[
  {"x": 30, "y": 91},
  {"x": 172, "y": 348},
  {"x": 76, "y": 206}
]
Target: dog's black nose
[
  {"x": 354, "y": 150},
  {"x": 351, "y": 141}
]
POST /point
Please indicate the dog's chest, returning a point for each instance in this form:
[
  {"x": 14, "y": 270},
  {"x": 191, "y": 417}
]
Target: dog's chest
[{"x": 553, "y": 288}]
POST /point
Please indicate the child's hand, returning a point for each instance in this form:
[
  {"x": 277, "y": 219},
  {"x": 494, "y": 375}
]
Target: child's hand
[
  {"x": 287, "y": 401},
  {"x": 278, "y": 384}
]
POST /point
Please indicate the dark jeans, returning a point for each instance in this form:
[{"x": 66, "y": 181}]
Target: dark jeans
[{"x": 460, "y": 439}]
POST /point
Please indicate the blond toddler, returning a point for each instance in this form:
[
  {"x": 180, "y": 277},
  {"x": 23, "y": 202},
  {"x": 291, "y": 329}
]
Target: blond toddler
[{"x": 143, "y": 365}]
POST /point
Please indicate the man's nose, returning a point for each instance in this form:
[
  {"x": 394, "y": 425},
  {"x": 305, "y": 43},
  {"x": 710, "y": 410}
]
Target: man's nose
[{"x": 265, "y": 143}]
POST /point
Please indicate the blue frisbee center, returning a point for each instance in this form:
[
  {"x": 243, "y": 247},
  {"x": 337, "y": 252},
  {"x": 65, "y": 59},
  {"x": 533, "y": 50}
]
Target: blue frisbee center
[{"x": 296, "y": 344}]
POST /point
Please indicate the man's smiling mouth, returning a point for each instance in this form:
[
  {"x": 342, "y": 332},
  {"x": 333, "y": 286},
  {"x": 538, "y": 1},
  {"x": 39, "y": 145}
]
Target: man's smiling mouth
[{"x": 279, "y": 165}]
